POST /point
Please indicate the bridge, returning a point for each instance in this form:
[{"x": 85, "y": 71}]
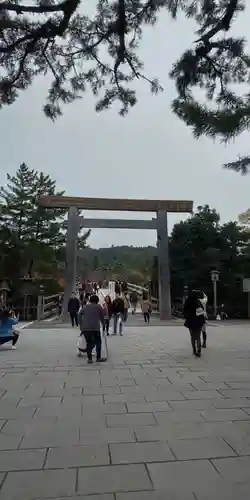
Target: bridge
[{"x": 48, "y": 306}]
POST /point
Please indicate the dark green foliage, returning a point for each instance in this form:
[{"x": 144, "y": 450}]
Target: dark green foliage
[
  {"x": 100, "y": 52},
  {"x": 80, "y": 52},
  {"x": 197, "y": 246},
  {"x": 125, "y": 262},
  {"x": 32, "y": 238},
  {"x": 219, "y": 66},
  {"x": 200, "y": 245}
]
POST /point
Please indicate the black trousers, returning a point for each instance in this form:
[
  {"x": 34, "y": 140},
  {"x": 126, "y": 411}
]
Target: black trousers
[
  {"x": 11, "y": 338},
  {"x": 74, "y": 318},
  {"x": 93, "y": 339},
  {"x": 196, "y": 340},
  {"x": 106, "y": 325},
  {"x": 146, "y": 317},
  {"x": 204, "y": 337}
]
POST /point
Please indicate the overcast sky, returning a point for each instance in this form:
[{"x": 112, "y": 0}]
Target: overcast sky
[{"x": 148, "y": 154}]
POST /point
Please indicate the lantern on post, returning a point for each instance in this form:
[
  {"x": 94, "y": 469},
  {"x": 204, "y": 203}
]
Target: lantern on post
[
  {"x": 185, "y": 294},
  {"x": 215, "y": 277}
]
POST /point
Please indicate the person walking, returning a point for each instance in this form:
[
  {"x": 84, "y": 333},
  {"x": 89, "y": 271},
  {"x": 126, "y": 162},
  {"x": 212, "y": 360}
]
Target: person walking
[
  {"x": 222, "y": 313},
  {"x": 126, "y": 307},
  {"x": 146, "y": 309},
  {"x": 194, "y": 320},
  {"x": 124, "y": 287},
  {"x": 107, "y": 306},
  {"x": 91, "y": 320},
  {"x": 8, "y": 332},
  {"x": 73, "y": 308},
  {"x": 60, "y": 305},
  {"x": 134, "y": 301},
  {"x": 203, "y": 300},
  {"x": 118, "y": 313},
  {"x": 117, "y": 288},
  {"x": 89, "y": 288}
]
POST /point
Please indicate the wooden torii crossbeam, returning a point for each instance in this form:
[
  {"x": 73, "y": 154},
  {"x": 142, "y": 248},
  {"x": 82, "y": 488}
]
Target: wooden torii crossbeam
[
  {"x": 75, "y": 222},
  {"x": 117, "y": 204}
]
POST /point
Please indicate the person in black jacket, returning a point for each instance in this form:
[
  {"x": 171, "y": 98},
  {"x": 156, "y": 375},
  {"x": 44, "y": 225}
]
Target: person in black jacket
[
  {"x": 117, "y": 288},
  {"x": 124, "y": 287},
  {"x": 108, "y": 311},
  {"x": 73, "y": 308},
  {"x": 118, "y": 310},
  {"x": 194, "y": 315},
  {"x": 134, "y": 301}
]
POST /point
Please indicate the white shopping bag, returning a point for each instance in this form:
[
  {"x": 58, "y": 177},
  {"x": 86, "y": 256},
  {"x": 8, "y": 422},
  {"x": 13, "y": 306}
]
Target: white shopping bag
[
  {"x": 81, "y": 343},
  {"x": 104, "y": 351},
  {"x": 119, "y": 324}
]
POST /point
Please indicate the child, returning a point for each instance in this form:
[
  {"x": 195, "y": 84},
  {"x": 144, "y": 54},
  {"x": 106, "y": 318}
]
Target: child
[{"x": 7, "y": 332}]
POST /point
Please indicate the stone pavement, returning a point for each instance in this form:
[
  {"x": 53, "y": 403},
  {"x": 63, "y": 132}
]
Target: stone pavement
[{"x": 153, "y": 423}]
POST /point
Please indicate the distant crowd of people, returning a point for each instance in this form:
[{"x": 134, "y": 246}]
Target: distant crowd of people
[{"x": 95, "y": 318}]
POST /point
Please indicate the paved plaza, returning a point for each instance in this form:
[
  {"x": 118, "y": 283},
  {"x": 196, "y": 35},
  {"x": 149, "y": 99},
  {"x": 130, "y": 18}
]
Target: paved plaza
[{"x": 153, "y": 423}]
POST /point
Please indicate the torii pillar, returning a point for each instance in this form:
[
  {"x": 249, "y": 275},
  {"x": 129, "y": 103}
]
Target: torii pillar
[
  {"x": 165, "y": 309},
  {"x": 73, "y": 227}
]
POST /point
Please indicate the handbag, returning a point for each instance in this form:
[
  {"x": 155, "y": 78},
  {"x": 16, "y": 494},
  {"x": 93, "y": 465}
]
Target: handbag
[
  {"x": 81, "y": 343},
  {"x": 104, "y": 349}
]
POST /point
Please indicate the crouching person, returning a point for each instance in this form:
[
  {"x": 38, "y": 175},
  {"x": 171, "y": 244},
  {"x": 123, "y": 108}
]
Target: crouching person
[
  {"x": 8, "y": 332},
  {"x": 92, "y": 318}
]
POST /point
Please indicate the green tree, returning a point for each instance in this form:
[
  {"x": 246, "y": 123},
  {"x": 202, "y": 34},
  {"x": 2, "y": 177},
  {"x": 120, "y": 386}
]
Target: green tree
[
  {"x": 200, "y": 245},
  {"x": 33, "y": 237},
  {"x": 126, "y": 262},
  {"x": 194, "y": 248},
  {"x": 60, "y": 38}
]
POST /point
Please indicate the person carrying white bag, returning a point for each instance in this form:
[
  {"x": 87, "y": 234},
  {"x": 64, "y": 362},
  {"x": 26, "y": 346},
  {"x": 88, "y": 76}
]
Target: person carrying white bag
[
  {"x": 203, "y": 300},
  {"x": 91, "y": 318}
]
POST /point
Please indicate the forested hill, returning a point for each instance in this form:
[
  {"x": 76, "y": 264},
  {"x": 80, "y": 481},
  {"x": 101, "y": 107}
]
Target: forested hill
[{"x": 133, "y": 263}]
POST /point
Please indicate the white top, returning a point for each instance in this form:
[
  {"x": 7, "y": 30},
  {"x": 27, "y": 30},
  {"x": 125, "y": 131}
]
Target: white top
[{"x": 204, "y": 302}]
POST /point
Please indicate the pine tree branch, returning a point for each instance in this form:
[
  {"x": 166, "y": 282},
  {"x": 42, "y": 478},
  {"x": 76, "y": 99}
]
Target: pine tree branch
[
  {"x": 241, "y": 165},
  {"x": 223, "y": 25},
  {"x": 29, "y": 46}
]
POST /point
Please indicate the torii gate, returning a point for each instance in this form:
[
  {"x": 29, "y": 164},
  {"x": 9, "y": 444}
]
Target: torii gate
[{"x": 160, "y": 224}]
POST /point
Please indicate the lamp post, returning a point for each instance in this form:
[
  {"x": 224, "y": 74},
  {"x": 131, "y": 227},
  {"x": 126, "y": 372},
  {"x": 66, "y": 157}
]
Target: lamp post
[
  {"x": 185, "y": 292},
  {"x": 215, "y": 276},
  {"x": 40, "y": 304},
  {"x": 185, "y": 295}
]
